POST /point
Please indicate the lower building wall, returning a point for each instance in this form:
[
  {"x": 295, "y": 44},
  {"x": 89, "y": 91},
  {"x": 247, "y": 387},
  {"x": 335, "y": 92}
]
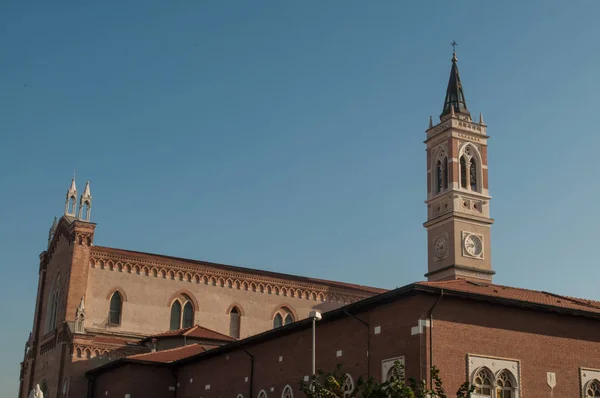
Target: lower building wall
[
  {"x": 286, "y": 360},
  {"x": 466, "y": 334},
  {"x": 46, "y": 371},
  {"x": 138, "y": 381},
  {"x": 536, "y": 342}
]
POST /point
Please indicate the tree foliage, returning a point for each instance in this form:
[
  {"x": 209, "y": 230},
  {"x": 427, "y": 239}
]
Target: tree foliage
[{"x": 331, "y": 385}]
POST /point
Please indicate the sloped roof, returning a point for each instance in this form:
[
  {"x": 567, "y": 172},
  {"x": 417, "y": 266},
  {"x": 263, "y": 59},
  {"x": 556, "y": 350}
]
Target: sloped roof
[
  {"x": 497, "y": 294},
  {"x": 232, "y": 268},
  {"x": 517, "y": 294},
  {"x": 195, "y": 331},
  {"x": 171, "y": 355}
]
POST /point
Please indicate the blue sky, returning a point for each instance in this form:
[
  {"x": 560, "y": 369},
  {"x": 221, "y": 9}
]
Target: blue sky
[{"x": 289, "y": 135}]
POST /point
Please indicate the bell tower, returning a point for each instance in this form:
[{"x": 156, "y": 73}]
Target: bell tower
[{"x": 458, "y": 202}]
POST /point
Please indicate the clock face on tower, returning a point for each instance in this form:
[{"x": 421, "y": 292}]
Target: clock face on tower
[{"x": 473, "y": 245}]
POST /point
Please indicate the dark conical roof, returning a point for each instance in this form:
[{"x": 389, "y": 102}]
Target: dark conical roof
[{"x": 455, "y": 96}]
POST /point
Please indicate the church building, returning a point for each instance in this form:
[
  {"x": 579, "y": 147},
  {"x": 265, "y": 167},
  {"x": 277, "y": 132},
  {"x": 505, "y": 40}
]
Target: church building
[{"x": 117, "y": 323}]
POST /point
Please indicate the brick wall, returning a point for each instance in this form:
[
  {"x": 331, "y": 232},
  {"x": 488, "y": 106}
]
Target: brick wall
[
  {"x": 136, "y": 380},
  {"x": 542, "y": 342}
]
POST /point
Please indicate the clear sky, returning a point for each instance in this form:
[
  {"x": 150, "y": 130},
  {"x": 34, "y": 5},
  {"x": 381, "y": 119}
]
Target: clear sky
[{"x": 288, "y": 136}]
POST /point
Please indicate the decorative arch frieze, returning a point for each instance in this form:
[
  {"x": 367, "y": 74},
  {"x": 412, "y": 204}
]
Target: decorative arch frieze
[{"x": 224, "y": 279}]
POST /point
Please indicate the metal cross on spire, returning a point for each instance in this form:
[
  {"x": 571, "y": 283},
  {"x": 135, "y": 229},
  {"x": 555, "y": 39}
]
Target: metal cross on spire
[{"x": 454, "y": 44}]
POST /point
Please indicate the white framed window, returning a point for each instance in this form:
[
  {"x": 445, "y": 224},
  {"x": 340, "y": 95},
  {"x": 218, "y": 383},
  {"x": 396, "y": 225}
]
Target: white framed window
[
  {"x": 387, "y": 367},
  {"x": 494, "y": 377},
  {"x": 348, "y": 385},
  {"x": 590, "y": 382},
  {"x": 240, "y": 396},
  {"x": 287, "y": 392},
  {"x": 262, "y": 394}
]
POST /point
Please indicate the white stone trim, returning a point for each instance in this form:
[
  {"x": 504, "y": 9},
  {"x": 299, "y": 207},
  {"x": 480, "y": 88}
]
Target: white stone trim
[
  {"x": 587, "y": 375},
  {"x": 348, "y": 380},
  {"x": 465, "y": 253},
  {"x": 387, "y": 364},
  {"x": 496, "y": 366},
  {"x": 421, "y": 324},
  {"x": 262, "y": 394},
  {"x": 286, "y": 389}
]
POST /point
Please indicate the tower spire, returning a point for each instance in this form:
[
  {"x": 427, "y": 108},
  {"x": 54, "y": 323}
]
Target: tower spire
[
  {"x": 85, "y": 203},
  {"x": 71, "y": 199},
  {"x": 455, "y": 96}
]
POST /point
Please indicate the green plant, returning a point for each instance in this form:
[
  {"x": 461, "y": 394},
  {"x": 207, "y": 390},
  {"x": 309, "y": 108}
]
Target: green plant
[{"x": 331, "y": 384}]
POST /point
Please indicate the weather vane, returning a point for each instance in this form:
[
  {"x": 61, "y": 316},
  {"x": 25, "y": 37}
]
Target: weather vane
[{"x": 454, "y": 44}]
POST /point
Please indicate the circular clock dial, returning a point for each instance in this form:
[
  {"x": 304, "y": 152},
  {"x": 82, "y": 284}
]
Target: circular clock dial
[
  {"x": 473, "y": 245},
  {"x": 441, "y": 247}
]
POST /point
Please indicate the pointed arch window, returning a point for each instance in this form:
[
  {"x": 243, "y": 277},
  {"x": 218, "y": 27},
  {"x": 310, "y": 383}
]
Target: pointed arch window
[
  {"x": 593, "y": 389},
  {"x": 262, "y": 394},
  {"x": 182, "y": 313},
  {"x": 505, "y": 386},
  {"x": 116, "y": 305},
  {"x": 188, "y": 315},
  {"x": 348, "y": 385},
  {"x": 473, "y": 174},
  {"x": 283, "y": 316},
  {"x": 52, "y": 306},
  {"x": 175, "y": 315},
  {"x": 483, "y": 382},
  {"x": 463, "y": 171},
  {"x": 445, "y": 172},
  {"x": 234, "y": 323},
  {"x": 277, "y": 321},
  {"x": 289, "y": 319},
  {"x": 440, "y": 167},
  {"x": 287, "y": 392},
  {"x": 439, "y": 179}
]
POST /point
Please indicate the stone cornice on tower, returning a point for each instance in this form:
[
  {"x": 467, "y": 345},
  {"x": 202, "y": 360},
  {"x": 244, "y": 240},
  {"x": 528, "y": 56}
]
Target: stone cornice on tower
[{"x": 220, "y": 275}]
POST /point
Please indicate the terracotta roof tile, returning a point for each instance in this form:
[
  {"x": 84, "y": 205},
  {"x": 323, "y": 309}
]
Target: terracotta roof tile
[
  {"x": 195, "y": 331},
  {"x": 171, "y": 355},
  {"x": 519, "y": 294},
  {"x": 350, "y": 286}
]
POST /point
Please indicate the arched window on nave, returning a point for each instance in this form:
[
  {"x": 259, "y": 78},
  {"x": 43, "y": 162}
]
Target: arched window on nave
[
  {"x": 116, "y": 306},
  {"x": 234, "y": 323},
  {"x": 182, "y": 313}
]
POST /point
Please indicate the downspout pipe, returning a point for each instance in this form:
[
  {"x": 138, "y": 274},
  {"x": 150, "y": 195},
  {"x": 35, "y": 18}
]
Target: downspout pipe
[
  {"x": 368, "y": 341},
  {"x": 176, "y": 380},
  {"x": 251, "y": 371},
  {"x": 90, "y": 389},
  {"x": 431, "y": 336}
]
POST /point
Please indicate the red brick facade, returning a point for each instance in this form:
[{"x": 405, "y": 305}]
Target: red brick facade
[
  {"x": 538, "y": 340},
  {"x": 60, "y": 351}
]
